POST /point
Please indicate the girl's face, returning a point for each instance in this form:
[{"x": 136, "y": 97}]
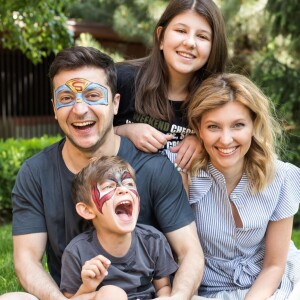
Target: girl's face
[
  {"x": 186, "y": 44},
  {"x": 227, "y": 133}
]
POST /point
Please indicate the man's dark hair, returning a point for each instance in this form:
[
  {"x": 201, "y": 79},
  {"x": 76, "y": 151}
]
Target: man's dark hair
[{"x": 78, "y": 57}]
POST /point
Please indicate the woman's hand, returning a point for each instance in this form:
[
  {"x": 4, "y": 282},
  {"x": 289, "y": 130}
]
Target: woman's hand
[{"x": 188, "y": 149}]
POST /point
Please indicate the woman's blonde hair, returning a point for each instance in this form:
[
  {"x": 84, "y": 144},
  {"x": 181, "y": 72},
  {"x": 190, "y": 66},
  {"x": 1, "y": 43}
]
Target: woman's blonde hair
[{"x": 220, "y": 89}]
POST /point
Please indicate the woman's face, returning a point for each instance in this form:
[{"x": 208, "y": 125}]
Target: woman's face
[
  {"x": 227, "y": 133},
  {"x": 186, "y": 44}
]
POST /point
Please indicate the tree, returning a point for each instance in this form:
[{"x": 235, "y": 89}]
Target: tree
[
  {"x": 35, "y": 27},
  {"x": 132, "y": 19},
  {"x": 265, "y": 43}
]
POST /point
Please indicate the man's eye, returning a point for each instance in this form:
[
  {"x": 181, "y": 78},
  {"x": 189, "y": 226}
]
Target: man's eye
[
  {"x": 65, "y": 99},
  {"x": 94, "y": 95}
]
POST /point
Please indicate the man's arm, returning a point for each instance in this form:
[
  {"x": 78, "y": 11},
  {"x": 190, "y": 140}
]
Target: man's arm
[
  {"x": 186, "y": 245},
  {"x": 28, "y": 254}
]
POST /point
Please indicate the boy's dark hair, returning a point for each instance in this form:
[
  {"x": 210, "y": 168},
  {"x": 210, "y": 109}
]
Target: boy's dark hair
[
  {"x": 78, "y": 57},
  {"x": 95, "y": 172}
]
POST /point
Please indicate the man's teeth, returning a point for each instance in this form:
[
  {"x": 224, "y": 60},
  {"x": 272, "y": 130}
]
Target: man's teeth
[
  {"x": 186, "y": 55},
  {"x": 82, "y": 124},
  {"x": 226, "y": 150}
]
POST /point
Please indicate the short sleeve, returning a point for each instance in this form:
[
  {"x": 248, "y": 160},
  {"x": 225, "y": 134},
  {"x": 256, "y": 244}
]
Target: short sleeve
[
  {"x": 289, "y": 196},
  {"x": 27, "y": 203},
  {"x": 171, "y": 205},
  {"x": 166, "y": 264},
  {"x": 70, "y": 273}
]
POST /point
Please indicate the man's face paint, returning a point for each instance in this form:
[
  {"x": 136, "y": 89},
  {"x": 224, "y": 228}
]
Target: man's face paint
[
  {"x": 80, "y": 90},
  {"x": 106, "y": 191}
]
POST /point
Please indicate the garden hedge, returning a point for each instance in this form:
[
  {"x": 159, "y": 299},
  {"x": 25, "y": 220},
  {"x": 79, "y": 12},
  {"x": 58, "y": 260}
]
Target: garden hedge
[{"x": 13, "y": 152}]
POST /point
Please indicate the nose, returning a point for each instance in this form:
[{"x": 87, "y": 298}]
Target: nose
[
  {"x": 80, "y": 107},
  {"x": 226, "y": 137},
  {"x": 190, "y": 41},
  {"x": 121, "y": 190}
]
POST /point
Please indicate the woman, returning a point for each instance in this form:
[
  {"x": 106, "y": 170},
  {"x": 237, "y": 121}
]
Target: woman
[
  {"x": 189, "y": 45},
  {"x": 243, "y": 198}
]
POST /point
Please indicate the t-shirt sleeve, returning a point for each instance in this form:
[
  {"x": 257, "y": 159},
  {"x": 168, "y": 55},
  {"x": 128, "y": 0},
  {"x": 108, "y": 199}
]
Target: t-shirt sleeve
[
  {"x": 165, "y": 264},
  {"x": 70, "y": 272},
  {"x": 27, "y": 203},
  {"x": 289, "y": 197},
  {"x": 171, "y": 206}
]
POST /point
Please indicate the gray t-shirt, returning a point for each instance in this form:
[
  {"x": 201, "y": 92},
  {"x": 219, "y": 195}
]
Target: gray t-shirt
[
  {"x": 42, "y": 199},
  {"x": 148, "y": 258}
]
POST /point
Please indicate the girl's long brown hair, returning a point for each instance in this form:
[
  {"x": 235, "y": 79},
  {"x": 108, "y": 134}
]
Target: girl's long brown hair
[{"x": 151, "y": 86}]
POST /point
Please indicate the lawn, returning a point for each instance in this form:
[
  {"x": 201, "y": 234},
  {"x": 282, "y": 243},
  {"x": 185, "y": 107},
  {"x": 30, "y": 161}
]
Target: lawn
[{"x": 8, "y": 280}]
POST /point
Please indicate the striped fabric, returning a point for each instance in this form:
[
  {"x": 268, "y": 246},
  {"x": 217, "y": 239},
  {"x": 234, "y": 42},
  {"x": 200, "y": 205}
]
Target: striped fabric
[{"x": 233, "y": 256}]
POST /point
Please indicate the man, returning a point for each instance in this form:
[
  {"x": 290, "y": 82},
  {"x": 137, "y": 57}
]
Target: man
[{"x": 44, "y": 217}]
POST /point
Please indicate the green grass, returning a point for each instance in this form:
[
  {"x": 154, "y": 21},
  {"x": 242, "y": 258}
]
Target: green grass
[{"x": 8, "y": 280}]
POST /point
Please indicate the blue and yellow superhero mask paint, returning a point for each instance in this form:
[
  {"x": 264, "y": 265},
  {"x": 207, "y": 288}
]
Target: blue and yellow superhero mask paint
[{"x": 79, "y": 90}]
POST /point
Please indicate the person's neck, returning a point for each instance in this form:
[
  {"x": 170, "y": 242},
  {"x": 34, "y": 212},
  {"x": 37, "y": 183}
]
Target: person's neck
[
  {"x": 178, "y": 87},
  {"x": 115, "y": 244},
  {"x": 76, "y": 159},
  {"x": 232, "y": 179}
]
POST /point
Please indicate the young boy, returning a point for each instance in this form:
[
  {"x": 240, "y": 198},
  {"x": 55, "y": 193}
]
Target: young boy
[{"x": 115, "y": 255}]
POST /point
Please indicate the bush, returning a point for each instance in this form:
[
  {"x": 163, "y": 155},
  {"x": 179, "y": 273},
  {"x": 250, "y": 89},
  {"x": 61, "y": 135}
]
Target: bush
[{"x": 13, "y": 152}]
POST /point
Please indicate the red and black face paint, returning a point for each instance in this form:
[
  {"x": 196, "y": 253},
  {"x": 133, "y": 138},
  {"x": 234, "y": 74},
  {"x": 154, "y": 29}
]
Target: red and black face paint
[{"x": 115, "y": 179}]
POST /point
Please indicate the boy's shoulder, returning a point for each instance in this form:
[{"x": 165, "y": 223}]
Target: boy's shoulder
[
  {"x": 80, "y": 240},
  {"x": 148, "y": 232}
]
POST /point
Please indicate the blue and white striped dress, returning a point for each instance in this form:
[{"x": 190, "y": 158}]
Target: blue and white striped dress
[{"x": 234, "y": 256}]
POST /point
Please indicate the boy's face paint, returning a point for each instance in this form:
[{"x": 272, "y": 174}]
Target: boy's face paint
[
  {"x": 102, "y": 192},
  {"x": 79, "y": 90}
]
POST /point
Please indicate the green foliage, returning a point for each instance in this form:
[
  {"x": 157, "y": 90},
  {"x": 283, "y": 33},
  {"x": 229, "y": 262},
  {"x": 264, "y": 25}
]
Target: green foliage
[
  {"x": 281, "y": 84},
  {"x": 263, "y": 44},
  {"x": 87, "y": 40},
  {"x": 8, "y": 279},
  {"x": 12, "y": 155},
  {"x": 134, "y": 20},
  {"x": 37, "y": 28},
  {"x": 284, "y": 16}
]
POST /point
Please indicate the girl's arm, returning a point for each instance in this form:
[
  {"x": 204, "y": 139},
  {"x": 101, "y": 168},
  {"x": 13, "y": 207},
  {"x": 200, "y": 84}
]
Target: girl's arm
[
  {"x": 162, "y": 287},
  {"x": 145, "y": 137},
  {"x": 278, "y": 238}
]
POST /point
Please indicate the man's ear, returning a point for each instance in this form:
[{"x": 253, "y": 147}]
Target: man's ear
[
  {"x": 54, "y": 108},
  {"x": 85, "y": 211},
  {"x": 116, "y": 102}
]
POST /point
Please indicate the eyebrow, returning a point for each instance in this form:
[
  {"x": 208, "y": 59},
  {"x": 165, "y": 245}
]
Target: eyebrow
[
  {"x": 185, "y": 25},
  {"x": 232, "y": 121}
]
